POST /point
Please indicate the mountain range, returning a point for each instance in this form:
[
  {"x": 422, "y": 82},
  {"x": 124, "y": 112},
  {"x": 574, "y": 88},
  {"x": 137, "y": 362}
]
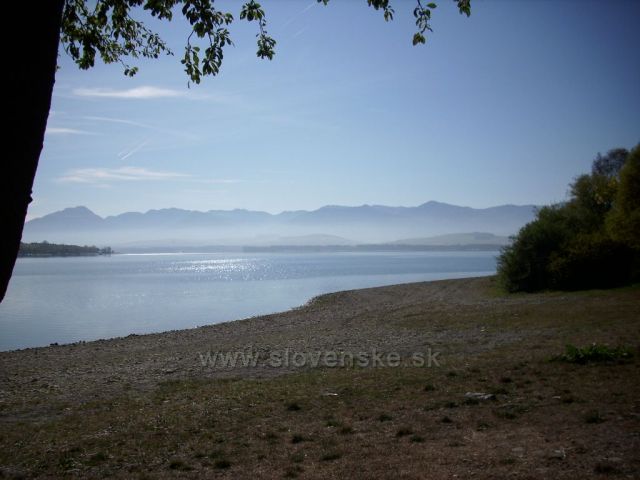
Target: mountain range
[{"x": 329, "y": 225}]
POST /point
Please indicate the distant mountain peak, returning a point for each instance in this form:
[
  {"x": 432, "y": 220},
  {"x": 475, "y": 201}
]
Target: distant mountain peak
[
  {"x": 363, "y": 224},
  {"x": 75, "y": 212},
  {"x": 79, "y": 208}
]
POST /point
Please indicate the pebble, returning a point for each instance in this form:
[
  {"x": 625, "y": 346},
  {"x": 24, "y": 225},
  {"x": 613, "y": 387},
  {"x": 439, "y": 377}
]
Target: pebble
[{"x": 480, "y": 396}]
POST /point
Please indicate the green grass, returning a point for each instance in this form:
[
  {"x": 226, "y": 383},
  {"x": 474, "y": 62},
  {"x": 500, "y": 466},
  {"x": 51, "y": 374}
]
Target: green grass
[
  {"x": 383, "y": 417},
  {"x": 298, "y": 438},
  {"x": 179, "y": 465},
  {"x": 403, "y": 432},
  {"x": 596, "y": 353},
  {"x": 222, "y": 464},
  {"x": 593, "y": 416},
  {"x": 330, "y": 456}
]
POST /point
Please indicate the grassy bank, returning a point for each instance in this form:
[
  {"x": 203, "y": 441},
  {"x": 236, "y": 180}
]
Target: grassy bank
[{"x": 146, "y": 407}]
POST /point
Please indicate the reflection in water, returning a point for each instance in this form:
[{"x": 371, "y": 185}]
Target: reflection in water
[{"x": 84, "y": 298}]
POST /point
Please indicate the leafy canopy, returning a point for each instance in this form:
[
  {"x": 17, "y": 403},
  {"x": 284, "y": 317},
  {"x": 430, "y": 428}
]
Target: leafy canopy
[
  {"x": 590, "y": 241},
  {"x": 108, "y": 30}
]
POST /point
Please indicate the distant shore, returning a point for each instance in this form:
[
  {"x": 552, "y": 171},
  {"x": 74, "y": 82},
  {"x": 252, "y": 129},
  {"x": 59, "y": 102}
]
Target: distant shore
[
  {"x": 46, "y": 249},
  {"x": 374, "y": 248},
  {"x": 366, "y": 248}
]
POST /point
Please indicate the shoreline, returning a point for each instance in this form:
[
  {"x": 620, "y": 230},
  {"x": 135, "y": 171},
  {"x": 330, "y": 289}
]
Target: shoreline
[
  {"x": 324, "y": 322},
  {"x": 59, "y": 343},
  {"x": 156, "y": 390}
]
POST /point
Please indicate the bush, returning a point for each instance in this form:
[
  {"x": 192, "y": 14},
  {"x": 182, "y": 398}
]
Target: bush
[
  {"x": 595, "y": 353},
  {"x": 623, "y": 223},
  {"x": 590, "y": 261},
  {"x": 523, "y": 265},
  {"x": 591, "y": 241}
]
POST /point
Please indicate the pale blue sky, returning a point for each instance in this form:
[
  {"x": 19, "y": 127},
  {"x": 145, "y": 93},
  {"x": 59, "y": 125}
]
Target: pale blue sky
[{"x": 504, "y": 107}]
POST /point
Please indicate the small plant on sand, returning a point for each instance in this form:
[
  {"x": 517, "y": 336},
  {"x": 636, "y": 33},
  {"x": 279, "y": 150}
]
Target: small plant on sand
[
  {"x": 215, "y": 454},
  {"x": 294, "y": 472},
  {"x": 330, "y": 456},
  {"x": 97, "y": 458},
  {"x": 481, "y": 426},
  {"x": 297, "y": 457},
  {"x": 606, "y": 468},
  {"x": 499, "y": 391},
  {"x": 179, "y": 465},
  {"x": 596, "y": 353},
  {"x": 510, "y": 411},
  {"x": 593, "y": 416},
  {"x": 297, "y": 438},
  {"x": 332, "y": 422},
  {"x": 222, "y": 464}
]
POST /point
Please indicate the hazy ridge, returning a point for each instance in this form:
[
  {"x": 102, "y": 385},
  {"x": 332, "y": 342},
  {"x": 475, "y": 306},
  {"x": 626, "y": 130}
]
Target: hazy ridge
[{"x": 329, "y": 225}]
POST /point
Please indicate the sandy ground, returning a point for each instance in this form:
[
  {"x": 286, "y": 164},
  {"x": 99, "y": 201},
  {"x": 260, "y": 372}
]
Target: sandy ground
[
  {"x": 351, "y": 321},
  {"x": 60, "y": 405}
]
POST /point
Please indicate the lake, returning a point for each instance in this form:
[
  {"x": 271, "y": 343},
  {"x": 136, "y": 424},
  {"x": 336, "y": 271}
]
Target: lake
[{"x": 66, "y": 300}]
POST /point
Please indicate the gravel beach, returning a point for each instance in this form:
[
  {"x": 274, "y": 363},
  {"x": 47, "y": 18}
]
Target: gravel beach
[{"x": 493, "y": 405}]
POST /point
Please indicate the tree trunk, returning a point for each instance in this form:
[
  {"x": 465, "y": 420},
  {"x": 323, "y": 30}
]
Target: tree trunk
[{"x": 31, "y": 67}]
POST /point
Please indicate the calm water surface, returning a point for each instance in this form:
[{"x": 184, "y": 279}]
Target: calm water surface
[{"x": 86, "y": 298}]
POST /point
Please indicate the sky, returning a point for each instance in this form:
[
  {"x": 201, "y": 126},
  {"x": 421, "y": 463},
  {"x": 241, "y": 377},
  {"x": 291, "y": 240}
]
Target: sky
[{"x": 505, "y": 107}]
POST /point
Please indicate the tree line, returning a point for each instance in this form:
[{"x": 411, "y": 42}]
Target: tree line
[
  {"x": 46, "y": 249},
  {"x": 590, "y": 241}
]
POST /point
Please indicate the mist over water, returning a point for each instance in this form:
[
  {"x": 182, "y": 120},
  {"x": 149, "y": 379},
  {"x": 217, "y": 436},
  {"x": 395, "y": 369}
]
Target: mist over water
[{"x": 86, "y": 298}]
